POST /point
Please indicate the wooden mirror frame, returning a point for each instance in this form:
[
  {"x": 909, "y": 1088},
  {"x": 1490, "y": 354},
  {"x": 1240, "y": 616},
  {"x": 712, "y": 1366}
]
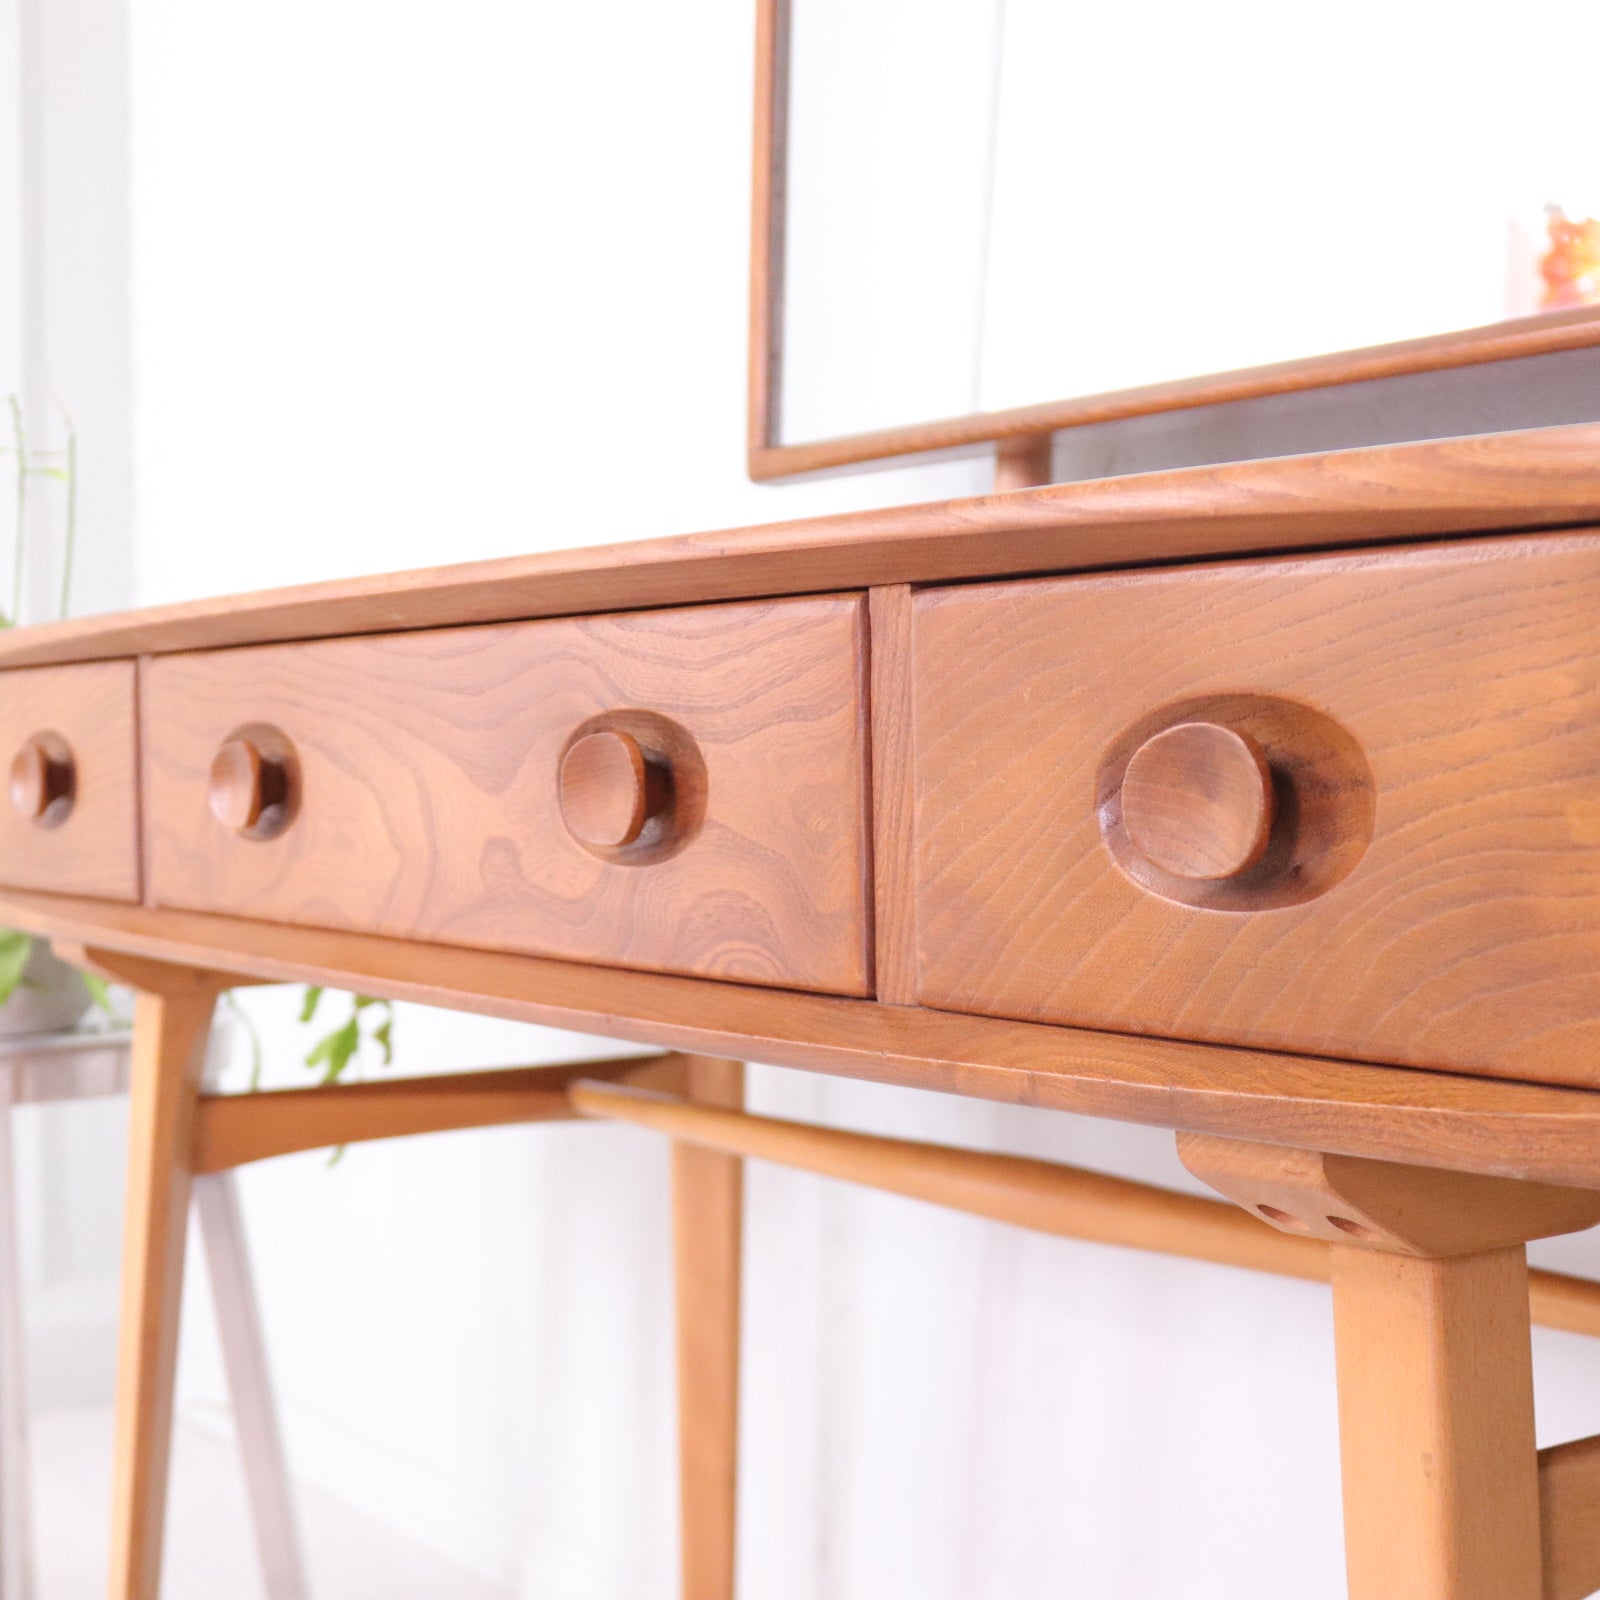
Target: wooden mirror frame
[{"x": 1021, "y": 436}]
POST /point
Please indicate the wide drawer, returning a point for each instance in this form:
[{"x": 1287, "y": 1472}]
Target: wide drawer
[
  {"x": 1345, "y": 804},
  {"x": 70, "y": 819},
  {"x": 681, "y": 790}
]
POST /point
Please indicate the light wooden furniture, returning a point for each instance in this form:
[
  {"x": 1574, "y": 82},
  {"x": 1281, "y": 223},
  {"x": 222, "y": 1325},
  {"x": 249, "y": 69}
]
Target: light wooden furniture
[
  {"x": 51, "y": 1069},
  {"x": 1258, "y": 803}
]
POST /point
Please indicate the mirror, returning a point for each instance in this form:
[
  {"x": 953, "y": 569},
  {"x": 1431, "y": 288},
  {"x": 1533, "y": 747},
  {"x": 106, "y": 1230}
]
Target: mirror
[{"x": 1096, "y": 209}]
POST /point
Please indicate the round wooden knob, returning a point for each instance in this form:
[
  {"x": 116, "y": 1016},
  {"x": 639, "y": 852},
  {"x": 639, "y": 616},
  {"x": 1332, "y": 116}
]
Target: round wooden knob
[
  {"x": 44, "y": 779},
  {"x": 249, "y": 787},
  {"x": 609, "y": 789},
  {"x": 1197, "y": 800}
]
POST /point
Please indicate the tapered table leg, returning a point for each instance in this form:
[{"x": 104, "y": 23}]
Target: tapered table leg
[
  {"x": 171, "y": 1024},
  {"x": 1440, "y": 1469},
  {"x": 16, "y": 1527},
  {"x": 708, "y": 1199},
  {"x": 1431, "y": 1328}
]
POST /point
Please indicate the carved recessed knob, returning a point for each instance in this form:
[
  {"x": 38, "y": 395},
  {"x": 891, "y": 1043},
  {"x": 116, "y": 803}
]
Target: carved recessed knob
[
  {"x": 1197, "y": 801},
  {"x": 44, "y": 779},
  {"x": 252, "y": 784},
  {"x": 610, "y": 789}
]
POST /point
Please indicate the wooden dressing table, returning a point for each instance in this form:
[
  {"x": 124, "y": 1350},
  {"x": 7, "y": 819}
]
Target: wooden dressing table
[{"x": 1261, "y": 803}]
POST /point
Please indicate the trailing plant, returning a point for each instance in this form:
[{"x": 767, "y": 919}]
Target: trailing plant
[{"x": 370, "y": 1022}]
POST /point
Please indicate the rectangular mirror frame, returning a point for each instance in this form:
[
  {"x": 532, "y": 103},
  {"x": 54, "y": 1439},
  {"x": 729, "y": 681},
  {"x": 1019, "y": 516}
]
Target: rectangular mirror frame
[{"x": 1021, "y": 436}]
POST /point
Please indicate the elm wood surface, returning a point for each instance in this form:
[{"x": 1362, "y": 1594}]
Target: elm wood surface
[
  {"x": 430, "y": 805},
  {"x": 893, "y": 795},
  {"x": 1024, "y": 462},
  {"x": 172, "y": 1019},
  {"x": 1385, "y": 1205},
  {"x": 85, "y": 715},
  {"x": 44, "y": 780},
  {"x": 1569, "y": 1511},
  {"x": 606, "y": 784},
  {"x": 768, "y": 182},
  {"x": 1429, "y": 1118},
  {"x": 1441, "y": 1476},
  {"x": 1041, "y": 1195},
  {"x": 1545, "y": 477},
  {"x": 1197, "y": 800},
  {"x": 253, "y": 788},
  {"x": 1439, "y": 1465},
  {"x": 167, "y": 1144},
  {"x": 1464, "y": 677},
  {"x": 237, "y": 790},
  {"x": 1023, "y": 427},
  {"x": 234, "y": 1129},
  {"x": 57, "y": 1068}
]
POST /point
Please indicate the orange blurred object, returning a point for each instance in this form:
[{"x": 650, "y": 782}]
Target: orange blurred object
[{"x": 1571, "y": 266}]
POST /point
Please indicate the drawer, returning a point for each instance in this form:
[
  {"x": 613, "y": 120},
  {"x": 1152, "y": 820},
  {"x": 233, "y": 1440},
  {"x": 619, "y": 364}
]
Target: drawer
[
  {"x": 680, "y": 790},
  {"x": 1345, "y": 804},
  {"x": 70, "y": 822}
]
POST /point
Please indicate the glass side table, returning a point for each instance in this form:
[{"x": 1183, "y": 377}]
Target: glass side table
[{"x": 80, "y": 1065}]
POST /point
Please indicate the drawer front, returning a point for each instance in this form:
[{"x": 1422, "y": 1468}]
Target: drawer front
[
  {"x": 1344, "y": 804},
  {"x": 69, "y": 820},
  {"x": 678, "y": 790}
]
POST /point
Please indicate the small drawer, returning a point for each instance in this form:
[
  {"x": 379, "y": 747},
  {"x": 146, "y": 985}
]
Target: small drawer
[
  {"x": 1345, "y": 805},
  {"x": 678, "y": 790},
  {"x": 69, "y": 821}
]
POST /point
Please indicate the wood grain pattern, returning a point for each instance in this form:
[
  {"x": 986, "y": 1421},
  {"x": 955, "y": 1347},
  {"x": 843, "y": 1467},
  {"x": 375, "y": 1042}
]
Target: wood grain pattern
[
  {"x": 1513, "y": 1130},
  {"x": 708, "y": 1233},
  {"x": 605, "y": 787},
  {"x": 1384, "y": 1205},
  {"x": 1441, "y": 1492},
  {"x": 44, "y": 779},
  {"x": 893, "y": 796},
  {"x": 1197, "y": 800},
  {"x": 1544, "y": 477},
  {"x": 430, "y": 805},
  {"x": 95, "y": 850},
  {"x": 1040, "y": 1195},
  {"x": 1569, "y": 1514},
  {"x": 1466, "y": 936}
]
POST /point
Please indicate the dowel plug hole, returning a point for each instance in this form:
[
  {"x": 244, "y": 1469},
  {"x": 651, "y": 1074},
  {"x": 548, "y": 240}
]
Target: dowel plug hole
[
  {"x": 1283, "y": 1219},
  {"x": 1356, "y": 1230}
]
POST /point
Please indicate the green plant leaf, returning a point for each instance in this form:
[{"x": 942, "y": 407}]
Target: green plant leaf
[
  {"x": 99, "y": 992},
  {"x": 313, "y": 998},
  {"x": 15, "y": 948},
  {"x": 335, "y": 1051},
  {"x": 383, "y": 1037}
]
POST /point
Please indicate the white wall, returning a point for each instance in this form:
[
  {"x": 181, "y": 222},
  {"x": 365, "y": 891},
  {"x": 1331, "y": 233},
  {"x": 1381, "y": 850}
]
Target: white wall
[
  {"x": 64, "y": 352},
  {"x": 996, "y": 203},
  {"x": 416, "y": 285}
]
